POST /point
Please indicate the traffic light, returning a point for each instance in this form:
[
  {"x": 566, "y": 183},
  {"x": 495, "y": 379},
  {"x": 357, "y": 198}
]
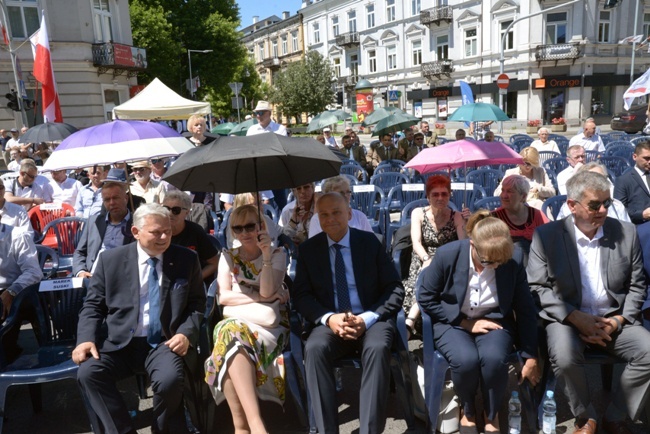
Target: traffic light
[{"x": 13, "y": 104}]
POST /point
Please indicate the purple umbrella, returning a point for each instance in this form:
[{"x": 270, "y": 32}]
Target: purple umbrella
[{"x": 117, "y": 141}]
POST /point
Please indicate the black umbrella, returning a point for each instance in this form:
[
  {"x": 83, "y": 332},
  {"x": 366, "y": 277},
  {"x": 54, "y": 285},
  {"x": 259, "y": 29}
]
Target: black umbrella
[
  {"x": 47, "y": 132},
  {"x": 252, "y": 163}
]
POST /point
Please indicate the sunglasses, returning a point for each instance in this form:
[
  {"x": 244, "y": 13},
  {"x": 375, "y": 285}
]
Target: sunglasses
[
  {"x": 250, "y": 227},
  {"x": 595, "y": 206},
  {"x": 482, "y": 261},
  {"x": 259, "y": 113},
  {"x": 156, "y": 160},
  {"x": 176, "y": 210},
  {"x": 139, "y": 169}
]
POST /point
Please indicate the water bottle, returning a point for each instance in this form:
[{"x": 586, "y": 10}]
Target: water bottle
[
  {"x": 514, "y": 413},
  {"x": 338, "y": 376},
  {"x": 550, "y": 408}
]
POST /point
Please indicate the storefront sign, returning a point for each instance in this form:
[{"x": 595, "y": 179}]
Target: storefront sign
[
  {"x": 440, "y": 92},
  {"x": 556, "y": 82},
  {"x": 417, "y": 109},
  {"x": 442, "y": 109}
]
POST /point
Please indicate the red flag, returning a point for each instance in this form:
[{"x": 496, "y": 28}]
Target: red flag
[
  {"x": 44, "y": 73},
  {"x": 5, "y": 36}
]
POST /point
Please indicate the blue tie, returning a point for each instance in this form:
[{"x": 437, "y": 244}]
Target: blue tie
[
  {"x": 342, "y": 293},
  {"x": 153, "y": 336}
]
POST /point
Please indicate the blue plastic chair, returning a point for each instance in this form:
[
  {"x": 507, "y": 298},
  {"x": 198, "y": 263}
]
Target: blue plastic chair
[
  {"x": 387, "y": 180},
  {"x": 562, "y": 143},
  {"x": 515, "y": 137},
  {"x": 521, "y": 143},
  {"x": 616, "y": 166},
  {"x": 355, "y": 170},
  {"x": 547, "y": 155},
  {"x": 551, "y": 206},
  {"x": 48, "y": 260},
  {"x": 499, "y": 139},
  {"x": 369, "y": 199},
  {"x": 442, "y": 140},
  {"x": 555, "y": 165},
  {"x": 465, "y": 194},
  {"x": 613, "y": 143},
  {"x": 615, "y": 135},
  {"x": 487, "y": 178},
  {"x": 624, "y": 151},
  {"x": 592, "y": 156},
  {"x": 489, "y": 203},
  {"x": 389, "y": 166}
]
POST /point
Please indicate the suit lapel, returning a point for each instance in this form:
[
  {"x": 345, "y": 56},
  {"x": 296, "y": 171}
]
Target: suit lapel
[
  {"x": 357, "y": 267},
  {"x": 605, "y": 245},
  {"x": 326, "y": 268},
  {"x": 462, "y": 273},
  {"x": 132, "y": 269},
  {"x": 571, "y": 252},
  {"x": 639, "y": 180},
  {"x": 100, "y": 222}
]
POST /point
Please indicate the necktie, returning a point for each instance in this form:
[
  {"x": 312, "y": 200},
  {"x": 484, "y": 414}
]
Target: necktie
[
  {"x": 154, "y": 333},
  {"x": 342, "y": 293}
]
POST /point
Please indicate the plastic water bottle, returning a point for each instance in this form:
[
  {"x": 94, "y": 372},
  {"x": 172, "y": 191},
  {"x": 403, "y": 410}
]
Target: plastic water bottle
[
  {"x": 550, "y": 408},
  {"x": 338, "y": 376},
  {"x": 514, "y": 413}
]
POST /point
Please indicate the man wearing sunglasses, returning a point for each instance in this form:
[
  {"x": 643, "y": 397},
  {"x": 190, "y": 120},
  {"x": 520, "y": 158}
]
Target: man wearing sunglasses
[
  {"x": 586, "y": 272},
  {"x": 152, "y": 191},
  {"x": 29, "y": 189},
  {"x": 265, "y": 124},
  {"x": 633, "y": 187}
]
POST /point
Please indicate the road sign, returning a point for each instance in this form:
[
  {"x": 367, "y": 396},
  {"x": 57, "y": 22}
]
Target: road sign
[
  {"x": 503, "y": 91},
  {"x": 393, "y": 95},
  {"x": 237, "y": 102},
  {"x": 503, "y": 81},
  {"x": 236, "y": 87}
]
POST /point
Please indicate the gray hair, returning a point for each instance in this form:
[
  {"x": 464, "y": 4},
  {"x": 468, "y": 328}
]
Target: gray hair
[
  {"x": 181, "y": 196},
  {"x": 518, "y": 182},
  {"x": 573, "y": 148},
  {"x": 543, "y": 129},
  {"x": 26, "y": 164},
  {"x": 593, "y": 165},
  {"x": 330, "y": 183},
  {"x": 148, "y": 209},
  {"x": 579, "y": 183}
]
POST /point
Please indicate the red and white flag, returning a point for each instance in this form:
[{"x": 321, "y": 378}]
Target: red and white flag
[
  {"x": 640, "y": 87},
  {"x": 631, "y": 39},
  {"x": 44, "y": 73}
]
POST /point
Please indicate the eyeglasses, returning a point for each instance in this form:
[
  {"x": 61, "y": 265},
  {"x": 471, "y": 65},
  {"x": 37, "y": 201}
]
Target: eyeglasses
[
  {"x": 345, "y": 193},
  {"x": 176, "y": 210},
  {"x": 250, "y": 227},
  {"x": 156, "y": 160},
  {"x": 260, "y": 113},
  {"x": 27, "y": 175},
  {"x": 527, "y": 164},
  {"x": 442, "y": 194},
  {"x": 595, "y": 206},
  {"x": 139, "y": 169},
  {"x": 482, "y": 261}
]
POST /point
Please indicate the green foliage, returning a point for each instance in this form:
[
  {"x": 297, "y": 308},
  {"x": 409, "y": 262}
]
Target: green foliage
[{"x": 304, "y": 86}]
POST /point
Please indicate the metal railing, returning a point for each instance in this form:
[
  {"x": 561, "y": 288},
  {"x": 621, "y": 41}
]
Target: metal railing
[
  {"x": 436, "y": 15},
  {"x": 347, "y": 39},
  {"x": 437, "y": 68},
  {"x": 557, "y": 51}
]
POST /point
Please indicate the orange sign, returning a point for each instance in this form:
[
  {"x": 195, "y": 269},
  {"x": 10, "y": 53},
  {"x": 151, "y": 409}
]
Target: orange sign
[{"x": 365, "y": 104}]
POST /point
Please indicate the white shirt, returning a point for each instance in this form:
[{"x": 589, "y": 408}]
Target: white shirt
[
  {"x": 593, "y": 143},
  {"x": 357, "y": 221},
  {"x": 143, "y": 270},
  {"x": 16, "y": 216},
  {"x": 595, "y": 300},
  {"x": 67, "y": 191},
  {"x": 40, "y": 188},
  {"x": 332, "y": 141},
  {"x": 19, "y": 266},
  {"x": 12, "y": 144},
  {"x": 14, "y": 166},
  {"x": 550, "y": 145},
  {"x": 642, "y": 175},
  {"x": 154, "y": 191},
  {"x": 272, "y": 127},
  {"x": 481, "y": 296},
  {"x": 563, "y": 177}
]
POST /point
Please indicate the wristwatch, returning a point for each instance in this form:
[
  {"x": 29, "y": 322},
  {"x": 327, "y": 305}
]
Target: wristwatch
[
  {"x": 425, "y": 258},
  {"x": 11, "y": 292}
]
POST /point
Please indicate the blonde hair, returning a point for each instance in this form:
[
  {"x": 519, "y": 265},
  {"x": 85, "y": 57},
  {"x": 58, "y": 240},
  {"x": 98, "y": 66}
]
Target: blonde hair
[
  {"x": 240, "y": 214},
  {"x": 491, "y": 237},
  {"x": 193, "y": 120},
  {"x": 242, "y": 199},
  {"x": 531, "y": 155}
]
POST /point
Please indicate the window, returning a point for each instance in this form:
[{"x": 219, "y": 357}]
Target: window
[
  {"x": 416, "y": 48},
  {"x": 510, "y": 39},
  {"x": 556, "y": 28},
  {"x": 23, "y": 17},
  {"x": 352, "y": 21},
  {"x": 285, "y": 45},
  {"x": 390, "y": 10},
  {"x": 442, "y": 47},
  {"x": 335, "y": 26},
  {"x": 646, "y": 25},
  {"x": 294, "y": 41},
  {"x": 415, "y": 7},
  {"x": 316, "y": 33},
  {"x": 603, "y": 26},
  {"x": 337, "y": 67},
  {"x": 372, "y": 61},
  {"x": 471, "y": 43},
  {"x": 274, "y": 48},
  {"x": 354, "y": 66},
  {"x": 370, "y": 15},
  {"x": 391, "y": 57},
  {"x": 102, "y": 19},
  {"x": 260, "y": 50}
]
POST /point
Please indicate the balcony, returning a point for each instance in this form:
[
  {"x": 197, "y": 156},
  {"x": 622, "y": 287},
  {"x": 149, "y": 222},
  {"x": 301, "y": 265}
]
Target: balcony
[
  {"x": 437, "y": 69},
  {"x": 557, "y": 52},
  {"x": 272, "y": 63},
  {"x": 348, "y": 40},
  {"x": 348, "y": 81},
  {"x": 120, "y": 58},
  {"x": 436, "y": 15}
]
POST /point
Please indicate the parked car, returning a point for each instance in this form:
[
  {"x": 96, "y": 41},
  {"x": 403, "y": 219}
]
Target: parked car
[{"x": 631, "y": 121}]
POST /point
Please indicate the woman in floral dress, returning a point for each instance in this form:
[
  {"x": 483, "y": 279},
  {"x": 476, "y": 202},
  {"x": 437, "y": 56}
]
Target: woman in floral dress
[
  {"x": 431, "y": 227},
  {"x": 246, "y": 362}
]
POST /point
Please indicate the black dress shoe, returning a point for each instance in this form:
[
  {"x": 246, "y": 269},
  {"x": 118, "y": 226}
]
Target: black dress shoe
[{"x": 615, "y": 427}]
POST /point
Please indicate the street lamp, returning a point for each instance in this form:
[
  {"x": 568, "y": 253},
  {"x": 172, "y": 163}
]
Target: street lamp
[{"x": 189, "y": 60}]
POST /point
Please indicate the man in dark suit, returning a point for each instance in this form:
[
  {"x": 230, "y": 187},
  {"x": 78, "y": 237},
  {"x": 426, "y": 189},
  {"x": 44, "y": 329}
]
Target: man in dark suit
[
  {"x": 632, "y": 187},
  {"x": 148, "y": 296},
  {"x": 104, "y": 231},
  {"x": 586, "y": 272},
  {"x": 348, "y": 289}
]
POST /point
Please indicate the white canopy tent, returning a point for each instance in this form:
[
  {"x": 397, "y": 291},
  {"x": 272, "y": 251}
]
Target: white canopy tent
[{"x": 158, "y": 102}]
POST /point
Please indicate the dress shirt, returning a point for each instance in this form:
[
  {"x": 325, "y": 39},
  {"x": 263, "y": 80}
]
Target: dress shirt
[
  {"x": 89, "y": 201},
  {"x": 593, "y": 143},
  {"x": 595, "y": 300},
  {"x": 550, "y": 145},
  {"x": 332, "y": 141},
  {"x": 563, "y": 177},
  {"x": 19, "y": 266},
  {"x": 143, "y": 270},
  {"x": 14, "y": 166},
  {"x": 642, "y": 175},
  {"x": 114, "y": 235},
  {"x": 16, "y": 216},
  {"x": 272, "y": 127},
  {"x": 481, "y": 297},
  {"x": 67, "y": 191},
  {"x": 369, "y": 317},
  {"x": 153, "y": 192},
  {"x": 357, "y": 221},
  {"x": 40, "y": 188},
  {"x": 13, "y": 144}
]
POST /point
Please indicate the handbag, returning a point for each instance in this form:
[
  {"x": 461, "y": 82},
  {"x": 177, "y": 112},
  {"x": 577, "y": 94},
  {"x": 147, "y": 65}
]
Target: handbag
[{"x": 262, "y": 314}]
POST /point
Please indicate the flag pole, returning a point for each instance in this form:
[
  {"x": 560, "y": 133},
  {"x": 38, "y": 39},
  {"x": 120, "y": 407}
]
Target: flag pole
[{"x": 12, "y": 55}]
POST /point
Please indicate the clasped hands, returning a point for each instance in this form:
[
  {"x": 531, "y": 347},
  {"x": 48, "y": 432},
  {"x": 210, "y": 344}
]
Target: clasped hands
[
  {"x": 593, "y": 329},
  {"x": 347, "y": 326},
  {"x": 179, "y": 344}
]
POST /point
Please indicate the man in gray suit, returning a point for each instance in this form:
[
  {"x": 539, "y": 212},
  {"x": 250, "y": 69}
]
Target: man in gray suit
[
  {"x": 142, "y": 312},
  {"x": 586, "y": 272}
]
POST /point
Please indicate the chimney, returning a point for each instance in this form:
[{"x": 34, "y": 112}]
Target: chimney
[
  {"x": 255, "y": 19},
  {"x": 285, "y": 15}
]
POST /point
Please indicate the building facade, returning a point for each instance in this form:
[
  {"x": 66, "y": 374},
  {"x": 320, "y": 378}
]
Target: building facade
[
  {"x": 94, "y": 62},
  {"x": 562, "y": 58}
]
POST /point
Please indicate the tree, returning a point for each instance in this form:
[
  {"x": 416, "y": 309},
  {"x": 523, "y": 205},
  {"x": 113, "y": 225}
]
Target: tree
[{"x": 304, "y": 86}]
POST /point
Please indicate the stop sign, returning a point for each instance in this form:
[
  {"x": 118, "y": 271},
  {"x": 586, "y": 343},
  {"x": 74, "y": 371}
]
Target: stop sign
[{"x": 503, "y": 81}]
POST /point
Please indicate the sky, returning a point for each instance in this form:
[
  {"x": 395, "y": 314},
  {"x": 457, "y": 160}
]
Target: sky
[{"x": 265, "y": 8}]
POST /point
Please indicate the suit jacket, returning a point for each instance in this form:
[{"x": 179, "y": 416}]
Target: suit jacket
[
  {"x": 91, "y": 241},
  {"x": 643, "y": 231},
  {"x": 554, "y": 271},
  {"x": 358, "y": 154},
  {"x": 445, "y": 283},
  {"x": 114, "y": 297},
  {"x": 631, "y": 190},
  {"x": 379, "y": 286},
  {"x": 431, "y": 139},
  {"x": 404, "y": 147}
]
